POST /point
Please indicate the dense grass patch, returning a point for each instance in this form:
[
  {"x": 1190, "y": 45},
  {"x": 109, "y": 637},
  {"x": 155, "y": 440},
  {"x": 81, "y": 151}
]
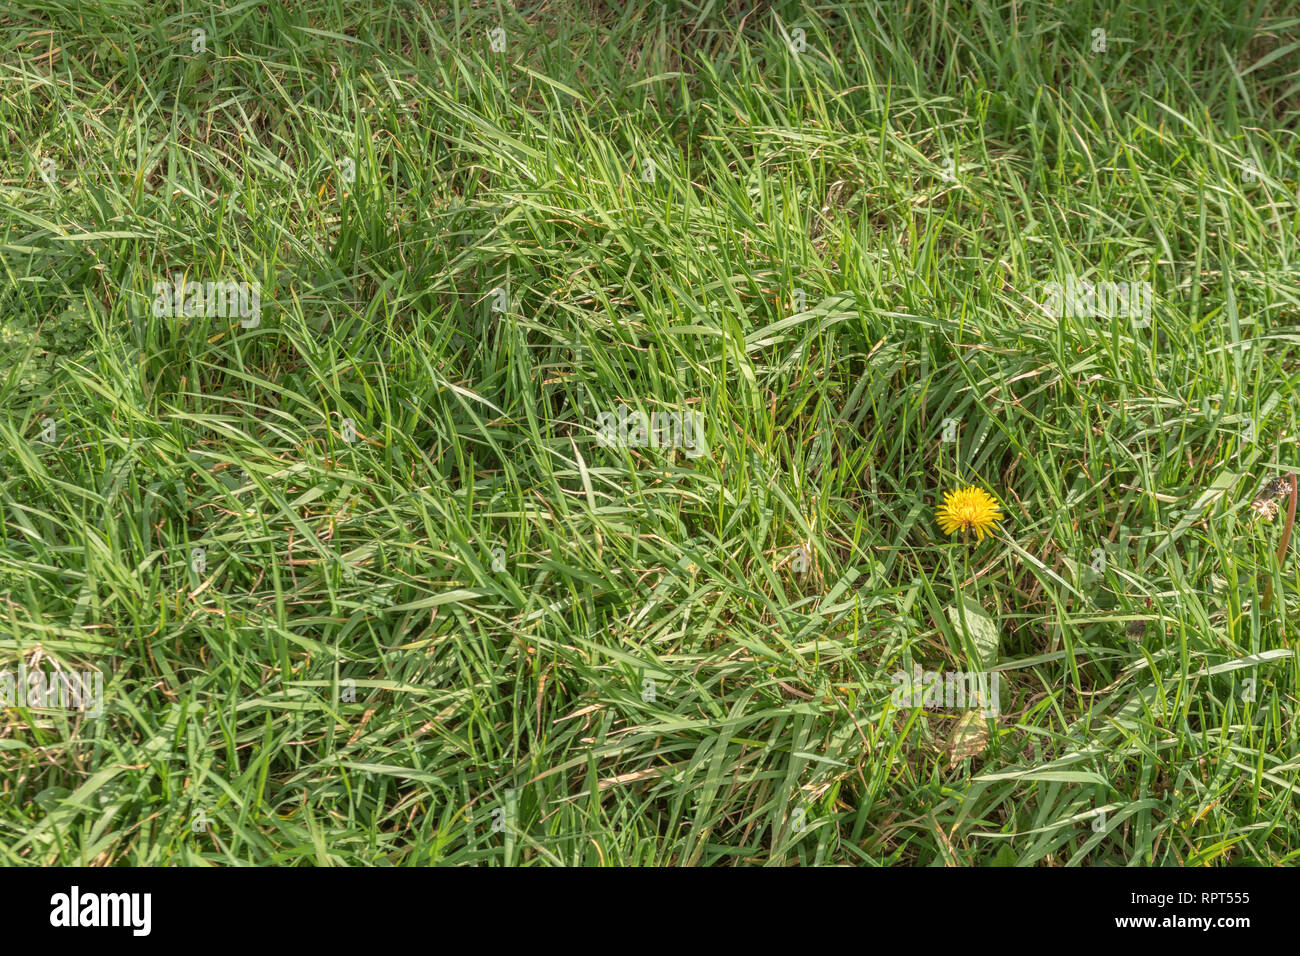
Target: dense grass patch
[{"x": 435, "y": 618}]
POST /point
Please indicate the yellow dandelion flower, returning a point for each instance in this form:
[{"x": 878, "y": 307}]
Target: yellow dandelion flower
[{"x": 966, "y": 509}]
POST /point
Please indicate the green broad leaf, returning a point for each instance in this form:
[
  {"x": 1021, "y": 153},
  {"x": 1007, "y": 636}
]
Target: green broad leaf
[{"x": 981, "y": 629}]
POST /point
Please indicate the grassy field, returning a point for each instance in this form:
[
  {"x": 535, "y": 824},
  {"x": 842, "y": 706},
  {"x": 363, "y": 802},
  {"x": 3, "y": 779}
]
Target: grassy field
[{"x": 368, "y": 581}]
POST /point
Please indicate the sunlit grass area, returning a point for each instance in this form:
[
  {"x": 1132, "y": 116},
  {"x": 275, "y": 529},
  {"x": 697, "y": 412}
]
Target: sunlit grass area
[{"x": 550, "y": 473}]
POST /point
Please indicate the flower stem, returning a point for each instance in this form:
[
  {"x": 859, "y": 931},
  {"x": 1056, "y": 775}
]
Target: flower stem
[{"x": 1282, "y": 545}]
